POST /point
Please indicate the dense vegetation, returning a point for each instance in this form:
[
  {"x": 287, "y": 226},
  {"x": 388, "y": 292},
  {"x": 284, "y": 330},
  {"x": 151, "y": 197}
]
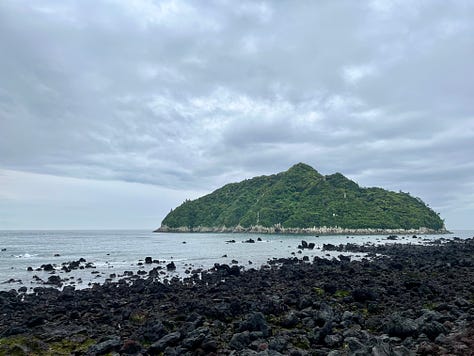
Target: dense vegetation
[{"x": 301, "y": 197}]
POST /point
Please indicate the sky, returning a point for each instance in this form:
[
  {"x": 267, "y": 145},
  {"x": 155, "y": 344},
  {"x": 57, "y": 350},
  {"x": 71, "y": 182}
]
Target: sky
[{"x": 113, "y": 112}]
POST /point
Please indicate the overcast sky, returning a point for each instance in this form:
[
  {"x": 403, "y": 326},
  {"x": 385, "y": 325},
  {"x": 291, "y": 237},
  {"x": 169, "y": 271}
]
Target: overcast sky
[{"x": 113, "y": 112}]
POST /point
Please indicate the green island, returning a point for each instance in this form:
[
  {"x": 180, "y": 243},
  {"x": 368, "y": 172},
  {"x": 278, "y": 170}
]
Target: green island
[{"x": 301, "y": 200}]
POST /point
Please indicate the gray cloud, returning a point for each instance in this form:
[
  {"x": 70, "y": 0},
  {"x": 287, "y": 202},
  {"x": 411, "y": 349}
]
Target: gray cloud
[{"x": 185, "y": 95}]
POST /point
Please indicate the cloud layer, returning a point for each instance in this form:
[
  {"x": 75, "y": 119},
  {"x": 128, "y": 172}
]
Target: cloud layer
[{"x": 188, "y": 95}]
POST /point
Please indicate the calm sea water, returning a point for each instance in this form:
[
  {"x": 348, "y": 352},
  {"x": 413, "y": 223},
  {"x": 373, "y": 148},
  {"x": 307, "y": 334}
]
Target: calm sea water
[{"x": 119, "y": 251}]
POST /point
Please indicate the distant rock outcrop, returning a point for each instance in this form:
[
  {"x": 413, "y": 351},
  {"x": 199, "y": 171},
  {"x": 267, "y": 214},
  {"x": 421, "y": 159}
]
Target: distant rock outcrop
[{"x": 300, "y": 200}]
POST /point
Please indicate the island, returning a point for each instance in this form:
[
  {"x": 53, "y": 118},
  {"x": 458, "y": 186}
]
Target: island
[{"x": 303, "y": 201}]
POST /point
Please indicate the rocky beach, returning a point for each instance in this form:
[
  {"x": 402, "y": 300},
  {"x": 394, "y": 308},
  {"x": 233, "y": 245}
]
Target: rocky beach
[{"x": 402, "y": 299}]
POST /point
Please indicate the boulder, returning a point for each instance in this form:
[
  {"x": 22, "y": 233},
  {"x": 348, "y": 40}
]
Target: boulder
[
  {"x": 399, "y": 326},
  {"x": 167, "y": 340},
  {"x": 54, "y": 280},
  {"x": 255, "y": 322},
  {"x": 47, "y": 267},
  {"x": 432, "y": 329},
  {"x": 290, "y": 320},
  {"x": 362, "y": 295},
  {"x": 130, "y": 347},
  {"x": 239, "y": 340},
  {"x": 104, "y": 347}
]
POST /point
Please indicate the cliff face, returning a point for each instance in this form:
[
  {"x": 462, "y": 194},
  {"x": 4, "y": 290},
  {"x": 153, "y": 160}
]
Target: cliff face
[{"x": 300, "y": 200}]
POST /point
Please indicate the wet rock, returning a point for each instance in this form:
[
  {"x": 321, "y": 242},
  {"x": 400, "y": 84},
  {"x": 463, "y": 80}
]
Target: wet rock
[
  {"x": 167, "y": 340},
  {"x": 195, "y": 338},
  {"x": 240, "y": 340},
  {"x": 278, "y": 344},
  {"x": 101, "y": 348},
  {"x": 234, "y": 271},
  {"x": 154, "y": 272},
  {"x": 355, "y": 344},
  {"x": 329, "y": 247},
  {"x": 428, "y": 349},
  {"x": 290, "y": 320},
  {"x": 35, "y": 321},
  {"x": 47, "y": 267},
  {"x": 382, "y": 349},
  {"x": 334, "y": 340},
  {"x": 303, "y": 245},
  {"x": 171, "y": 266},
  {"x": 362, "y": 295},
  {"x": 209, "y": 344},
  {"x": 432, "y": 329},
  {"x": 54, "y": 280},
  {"x": 399, "y": 326},
  {"x": 330, "y": 288},
  {"x": 131, "y": 347},
  {"x": 148, "y": 260},
  {"x": 255, "y": 322},
  {"x": 462, "y": 303},
  {"x": 325, "y": 313}
]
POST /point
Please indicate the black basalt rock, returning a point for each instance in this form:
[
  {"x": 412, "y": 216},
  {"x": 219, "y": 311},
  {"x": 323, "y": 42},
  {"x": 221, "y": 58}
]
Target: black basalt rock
[
  {"x": 364, "y": 294},
  {"x": 399, "y": 326},
  {"x": 104, "y": 347},
  {"x": 170, "y": 339},
  {"x": 47, "y": 267},
  {"x": 171, "y": 266},
  {"x": 55, "y": 280},
  {"x": 255, "y": 322}
]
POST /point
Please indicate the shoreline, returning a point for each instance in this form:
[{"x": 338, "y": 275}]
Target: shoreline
[
  {"x": 407, "y": 299},
  {"x": 258, "y": 229}
]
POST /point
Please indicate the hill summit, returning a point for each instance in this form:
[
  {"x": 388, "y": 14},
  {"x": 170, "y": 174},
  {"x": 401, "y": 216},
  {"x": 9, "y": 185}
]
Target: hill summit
[{"x": 301, "y": 200}]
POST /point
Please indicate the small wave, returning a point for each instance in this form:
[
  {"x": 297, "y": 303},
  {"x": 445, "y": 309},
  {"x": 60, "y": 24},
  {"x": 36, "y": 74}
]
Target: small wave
[{"x": 26, "y": 255}]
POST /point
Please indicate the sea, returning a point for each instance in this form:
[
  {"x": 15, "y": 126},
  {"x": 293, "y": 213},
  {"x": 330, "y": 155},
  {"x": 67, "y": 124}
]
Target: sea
[{"x": 112, "y": 252}]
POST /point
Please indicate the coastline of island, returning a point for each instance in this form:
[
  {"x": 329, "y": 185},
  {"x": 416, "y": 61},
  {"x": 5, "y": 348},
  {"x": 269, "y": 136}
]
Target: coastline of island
[{"x": 316, "y": 230}]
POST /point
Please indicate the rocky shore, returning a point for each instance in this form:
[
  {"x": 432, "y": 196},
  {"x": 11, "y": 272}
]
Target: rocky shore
[
  {"x": 316, "y": 230},
  {"x": 405, "y": 300}
]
